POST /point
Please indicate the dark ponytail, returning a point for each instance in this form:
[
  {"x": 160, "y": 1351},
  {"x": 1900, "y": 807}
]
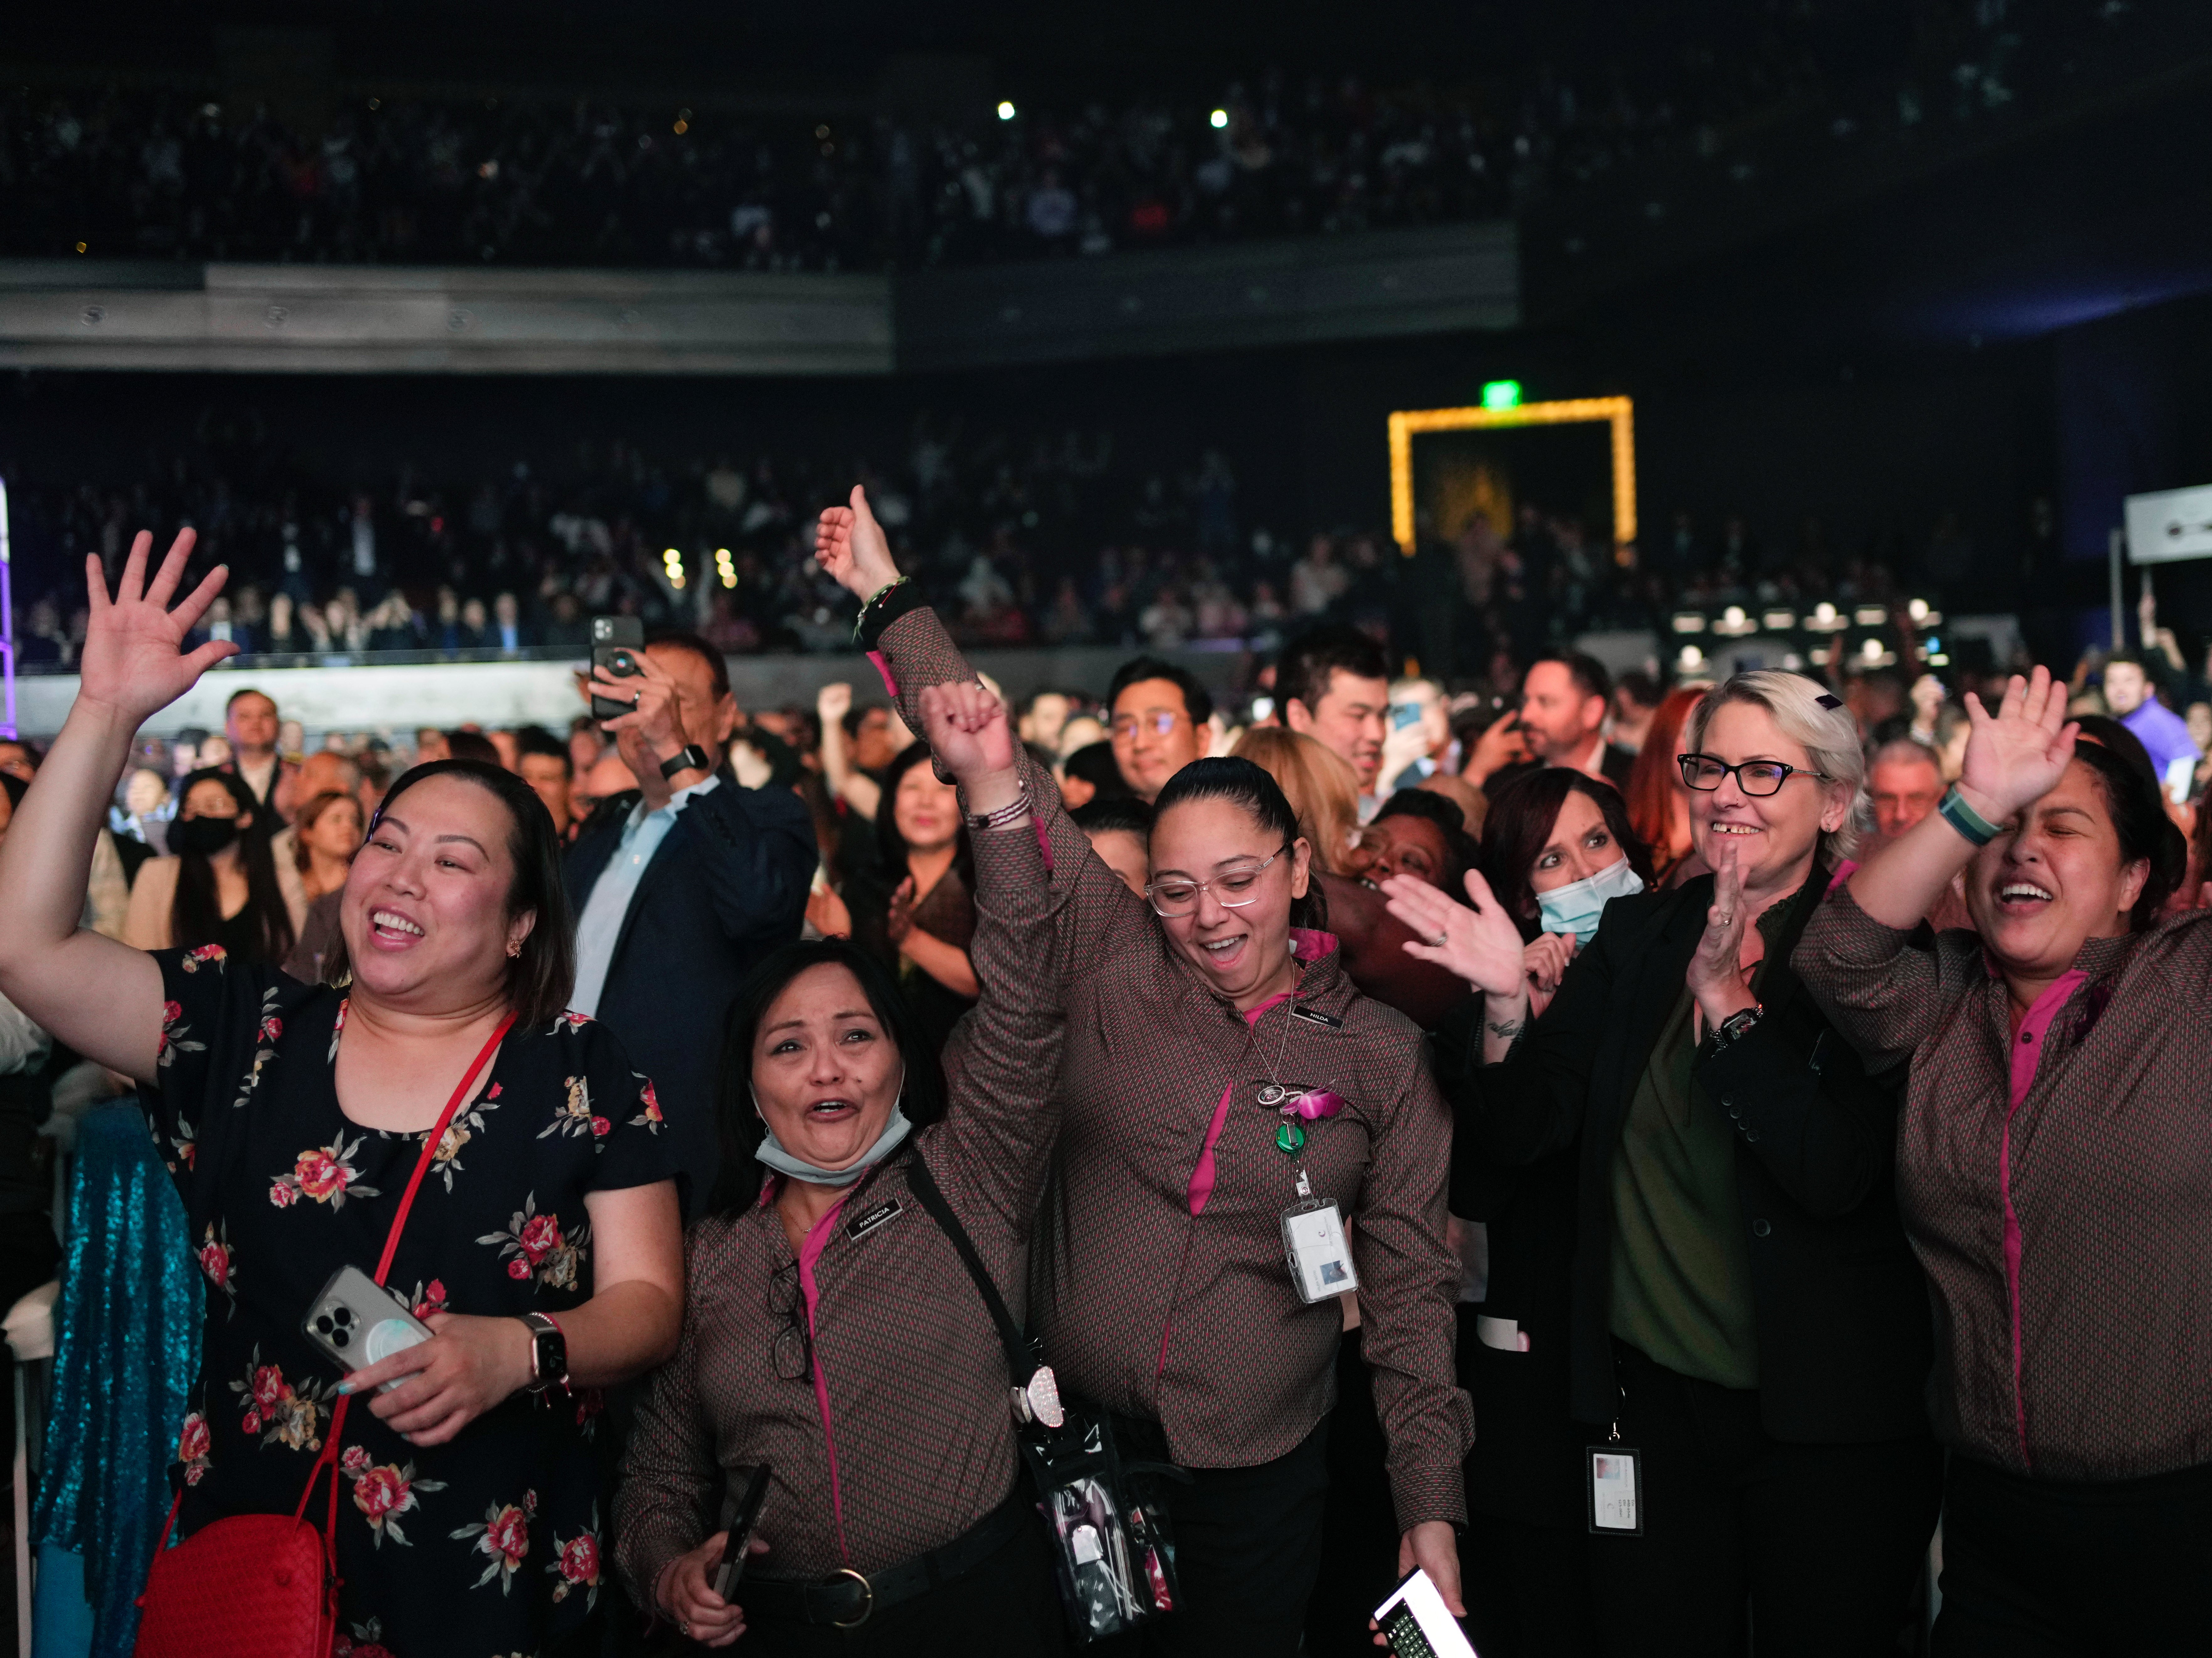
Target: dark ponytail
[
  {"x": 2145, "y": 833},
  {"x": 1250, "y": 787}
]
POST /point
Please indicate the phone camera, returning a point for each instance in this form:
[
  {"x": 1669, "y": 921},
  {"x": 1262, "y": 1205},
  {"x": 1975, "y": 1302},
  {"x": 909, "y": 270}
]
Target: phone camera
[
  {"x": 323, "y": 1324},
  {"x": 341, "y": 1337},
  {"x": 343, "y": 1314}
]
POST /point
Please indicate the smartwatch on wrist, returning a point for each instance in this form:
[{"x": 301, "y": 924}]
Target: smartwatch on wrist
[
  {"x": 1734, "y": 1027},
  {"x": 549, "y": 1353},
  {"x": 692, "y": 757}
]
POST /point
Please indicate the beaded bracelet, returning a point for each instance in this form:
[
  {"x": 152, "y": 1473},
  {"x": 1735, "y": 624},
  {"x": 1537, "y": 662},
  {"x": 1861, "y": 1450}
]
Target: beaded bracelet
[{"x": 860, "y": 622}]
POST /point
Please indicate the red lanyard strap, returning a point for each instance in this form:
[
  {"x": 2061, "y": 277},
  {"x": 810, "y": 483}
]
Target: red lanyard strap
[
  {"x": 330, "y": 1456},
  {"x": 430, "y": 1145}
]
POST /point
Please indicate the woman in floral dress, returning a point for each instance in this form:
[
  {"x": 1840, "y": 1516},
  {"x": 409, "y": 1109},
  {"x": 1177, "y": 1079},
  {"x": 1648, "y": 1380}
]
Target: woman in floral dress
[{"x": 292, "y": 1116}]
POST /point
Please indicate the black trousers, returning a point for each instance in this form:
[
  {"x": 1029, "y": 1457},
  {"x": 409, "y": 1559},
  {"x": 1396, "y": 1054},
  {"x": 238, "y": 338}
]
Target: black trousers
[
  {"x": 1528, "y": 1588},
  {"x": 1359, "y": 1526},
  {"x": 1008, "y": 1603},
  {"x": 2068, "y": 1568},
  {"x": 1248, "y": 1545},
  {"x": 1823, "y": 1542}
]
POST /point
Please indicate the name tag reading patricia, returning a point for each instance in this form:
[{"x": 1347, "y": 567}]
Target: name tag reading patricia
[
  {"x": 1314, "y": 1015},
  {"x": 1616, "y": 1507},
  {"x": 874, "y": 1220}
]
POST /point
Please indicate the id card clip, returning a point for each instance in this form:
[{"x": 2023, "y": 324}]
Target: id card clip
[
  {"x": 1319, "y": 1254},
  {"x": 1615, "y": 1481}
]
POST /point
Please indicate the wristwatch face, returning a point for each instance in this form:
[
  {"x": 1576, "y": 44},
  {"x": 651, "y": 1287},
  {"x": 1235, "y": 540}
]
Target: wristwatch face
[{"x": 549, "y": 1356}]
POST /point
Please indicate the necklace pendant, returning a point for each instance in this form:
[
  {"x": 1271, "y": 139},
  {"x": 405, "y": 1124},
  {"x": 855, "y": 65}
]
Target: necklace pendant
[
  {"x": 1289, "y": 1139},
  {"x": 1273, "y": 1094}
]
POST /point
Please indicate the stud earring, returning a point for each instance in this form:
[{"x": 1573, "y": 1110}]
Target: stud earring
[{"x": 515, "y": 947}]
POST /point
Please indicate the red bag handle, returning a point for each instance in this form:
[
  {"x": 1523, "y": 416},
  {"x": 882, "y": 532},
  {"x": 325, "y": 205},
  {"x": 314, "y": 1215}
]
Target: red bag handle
[{"x": 329, "y": 1457}]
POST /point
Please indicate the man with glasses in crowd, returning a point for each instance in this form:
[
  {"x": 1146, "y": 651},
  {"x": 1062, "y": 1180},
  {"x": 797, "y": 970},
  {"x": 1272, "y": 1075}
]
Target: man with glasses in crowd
[{"x": 1159, "y": 715}]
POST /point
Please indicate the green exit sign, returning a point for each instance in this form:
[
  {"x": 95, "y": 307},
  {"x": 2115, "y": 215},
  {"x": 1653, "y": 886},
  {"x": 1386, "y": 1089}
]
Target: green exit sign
[{"x": 1501, "y": 394}]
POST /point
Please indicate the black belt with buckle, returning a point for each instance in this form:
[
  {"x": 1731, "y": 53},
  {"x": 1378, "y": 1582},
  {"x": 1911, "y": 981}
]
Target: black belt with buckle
[{"x": 849, "y": 1600}]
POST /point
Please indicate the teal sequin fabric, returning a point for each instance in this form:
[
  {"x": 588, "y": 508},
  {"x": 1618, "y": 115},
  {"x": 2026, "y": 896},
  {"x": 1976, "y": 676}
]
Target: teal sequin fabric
[{"x": 128, "y": 1347}]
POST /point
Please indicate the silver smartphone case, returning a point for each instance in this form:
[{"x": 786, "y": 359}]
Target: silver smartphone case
[{"x": 356, "y": 1322}]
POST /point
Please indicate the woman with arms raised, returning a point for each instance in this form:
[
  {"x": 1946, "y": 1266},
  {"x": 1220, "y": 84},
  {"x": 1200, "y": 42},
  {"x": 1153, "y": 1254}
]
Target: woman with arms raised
[
  {"x": 2055, "y": 1170},
  {"x": 543, "y": 1249},
  {"x": 1744, "y": 1311},
  {"x": 832, "y": 1333},
  {"x": 1163, "y": 1294}
]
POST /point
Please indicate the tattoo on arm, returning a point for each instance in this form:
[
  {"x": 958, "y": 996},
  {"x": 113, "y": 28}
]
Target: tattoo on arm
[{"x": 1504, "y": 1032}]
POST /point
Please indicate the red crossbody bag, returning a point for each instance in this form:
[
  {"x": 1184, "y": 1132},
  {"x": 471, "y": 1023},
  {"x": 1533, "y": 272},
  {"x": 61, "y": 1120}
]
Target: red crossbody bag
[{"x": 266, "y": 1585}]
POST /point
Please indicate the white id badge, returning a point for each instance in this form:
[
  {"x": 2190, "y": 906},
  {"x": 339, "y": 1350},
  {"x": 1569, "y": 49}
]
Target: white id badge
[
  {"x": 1319, "y": 1254},
  {"x": 1616, "y": 1491}
]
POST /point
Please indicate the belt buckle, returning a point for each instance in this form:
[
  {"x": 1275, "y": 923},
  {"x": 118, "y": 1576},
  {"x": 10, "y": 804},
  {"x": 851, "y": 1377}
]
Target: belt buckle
[{"x": 867, "y": 1607}]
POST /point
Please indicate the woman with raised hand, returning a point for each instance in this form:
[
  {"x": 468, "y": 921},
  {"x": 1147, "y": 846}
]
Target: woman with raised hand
[
  {"x": 542, "y": 1247},
  {"x": 1221, "y": 1073},
  {"x": 895, "y": 1522},
  {"x": 2056, "y": 1178},
  {"x": 1744, "y": 1313}
]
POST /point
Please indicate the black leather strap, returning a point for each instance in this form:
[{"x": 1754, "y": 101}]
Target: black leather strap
[
  {"x": 1022, "y": 1359},
  {"x": 850, "y": 1600}
]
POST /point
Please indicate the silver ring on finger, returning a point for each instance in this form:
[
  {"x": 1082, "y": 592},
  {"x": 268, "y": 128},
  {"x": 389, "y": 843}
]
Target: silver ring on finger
[
  {"x": 1439, "y": 941},
  {"x": 1728, "y": 921},
  {"x": 684, "y": 1627},
  {"x": 635, "y": 698}
]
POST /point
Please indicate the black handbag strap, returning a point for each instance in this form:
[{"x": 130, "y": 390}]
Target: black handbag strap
[{"x": 1022, "y": 1358}]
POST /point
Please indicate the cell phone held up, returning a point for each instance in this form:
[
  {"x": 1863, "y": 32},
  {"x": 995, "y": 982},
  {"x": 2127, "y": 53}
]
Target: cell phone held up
[
  {"x": 616, "y": 643},
  {"x": 741, "y": 1518}
]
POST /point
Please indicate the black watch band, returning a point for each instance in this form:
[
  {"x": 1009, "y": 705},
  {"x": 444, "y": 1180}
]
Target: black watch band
[
  {"x": 549, "y": 1353},
  {"x": 693, "y": 758}
]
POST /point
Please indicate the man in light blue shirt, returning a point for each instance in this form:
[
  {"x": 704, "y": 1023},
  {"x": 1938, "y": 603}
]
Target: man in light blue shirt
[
  {"x": 681, "y": 888},
  {"x": 2163, "y": 732}
]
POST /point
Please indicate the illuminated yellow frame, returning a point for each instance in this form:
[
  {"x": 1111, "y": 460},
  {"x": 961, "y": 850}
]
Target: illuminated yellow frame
[{"x": 1620, "y": 412}]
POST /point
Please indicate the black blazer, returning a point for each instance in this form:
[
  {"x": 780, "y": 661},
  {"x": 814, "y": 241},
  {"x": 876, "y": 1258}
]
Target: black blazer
[
  {"x": 1844, "y": 1338},
  {"x": 726, "y": 886}
]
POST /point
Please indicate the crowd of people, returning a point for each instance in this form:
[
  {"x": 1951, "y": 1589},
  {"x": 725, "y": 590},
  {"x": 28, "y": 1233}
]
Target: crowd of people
[
  {"x": 1071, "y": 537},
  {"x": 191, "y": 173},
  {"x": 1724, "y": 1125}
]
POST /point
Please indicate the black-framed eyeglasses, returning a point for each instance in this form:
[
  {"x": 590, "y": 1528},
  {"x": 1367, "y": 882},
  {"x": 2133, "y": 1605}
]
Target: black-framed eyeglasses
[
  {"x": 1231, "y": 888},
  {"x": 1757, "y": 778},
  {"x": 792, "y": 1349}
]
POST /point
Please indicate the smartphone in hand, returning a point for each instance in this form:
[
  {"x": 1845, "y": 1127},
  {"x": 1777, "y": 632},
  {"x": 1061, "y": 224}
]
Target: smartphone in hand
[
  {"x": 731, "y": 1566},
  {"x": 617, "y": 641}
]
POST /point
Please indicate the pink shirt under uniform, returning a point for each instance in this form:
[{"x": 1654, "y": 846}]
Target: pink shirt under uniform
[{"x": 2055, "y": 1181}]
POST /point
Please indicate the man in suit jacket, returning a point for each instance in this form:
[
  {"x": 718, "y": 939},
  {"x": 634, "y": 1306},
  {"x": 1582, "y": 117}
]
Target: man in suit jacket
[{"x": 680, "y": 887}]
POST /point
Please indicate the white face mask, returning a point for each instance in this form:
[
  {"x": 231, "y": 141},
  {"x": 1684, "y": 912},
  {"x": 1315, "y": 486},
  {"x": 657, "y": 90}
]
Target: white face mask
[{"x": 1576, "y": 907}]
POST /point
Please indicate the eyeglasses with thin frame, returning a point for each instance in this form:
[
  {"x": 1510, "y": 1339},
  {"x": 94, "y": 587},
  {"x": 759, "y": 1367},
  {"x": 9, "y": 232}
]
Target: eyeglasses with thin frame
[
  {"x": 1756, "y": 777},
  {"x": 792, "y": 1349},
  {"x": 1160, "y": 723},
  {"x": 1232, "y": 889}
]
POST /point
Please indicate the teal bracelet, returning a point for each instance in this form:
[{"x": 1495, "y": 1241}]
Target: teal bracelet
[{"x": 1963, "y": 817}]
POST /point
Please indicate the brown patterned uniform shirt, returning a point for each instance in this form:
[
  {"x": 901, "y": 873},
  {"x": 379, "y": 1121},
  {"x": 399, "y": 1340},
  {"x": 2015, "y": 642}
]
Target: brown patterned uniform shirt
[
  {"x": 1161, "y": 1288},
  {"x": 903, "y": 1437},
  {"x": 2055, "y": 1181}
]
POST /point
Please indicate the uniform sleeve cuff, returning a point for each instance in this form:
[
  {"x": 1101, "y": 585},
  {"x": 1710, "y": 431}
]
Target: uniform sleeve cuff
[{"x": 876, "y": 618}]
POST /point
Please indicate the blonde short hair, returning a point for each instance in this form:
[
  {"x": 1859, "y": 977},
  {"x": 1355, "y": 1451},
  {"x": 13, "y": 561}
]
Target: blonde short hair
[
  {"x": 1322, "y": 788},
  {"x": 1817, "y": 722}
]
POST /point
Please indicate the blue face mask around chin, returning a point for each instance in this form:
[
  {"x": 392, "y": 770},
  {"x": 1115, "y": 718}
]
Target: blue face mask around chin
[{"x": 1577, "y": 907}]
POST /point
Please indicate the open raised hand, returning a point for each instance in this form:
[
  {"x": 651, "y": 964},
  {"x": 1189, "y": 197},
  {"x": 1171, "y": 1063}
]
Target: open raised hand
[
  {"x": 966, "y": 729},
  {"x": 850, "y": 545},
  {"x": 134, "y": 660},
  {"x": 2020, "y": 755},
  {"x": 1480, "y": 944}
]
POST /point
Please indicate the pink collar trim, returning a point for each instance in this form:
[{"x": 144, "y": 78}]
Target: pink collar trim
[{"x": 1311, "y": 945}]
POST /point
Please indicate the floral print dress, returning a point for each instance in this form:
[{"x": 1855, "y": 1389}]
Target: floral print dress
[{"x": 487, "y": 1545}]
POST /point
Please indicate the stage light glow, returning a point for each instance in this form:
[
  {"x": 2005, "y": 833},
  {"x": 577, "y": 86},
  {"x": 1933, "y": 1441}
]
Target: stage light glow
[
  {"x": 1501, "y": 394},
  {"x": 1219, "y": 119},
  {"x": 1871, "y": 616},
  {"x": 723, "y": 568},
  {"x": 1618, "y": 413},
  {"x": 1005, "y": 110},
  {"x": 672, "y": 561}
]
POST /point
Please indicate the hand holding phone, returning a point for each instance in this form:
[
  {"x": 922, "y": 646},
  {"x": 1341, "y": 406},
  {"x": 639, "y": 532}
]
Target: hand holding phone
[
  {"x": 1415, "y": 1621},
  {"x": 745, "y": 1517},
  {"x": 616, "y": 642}
]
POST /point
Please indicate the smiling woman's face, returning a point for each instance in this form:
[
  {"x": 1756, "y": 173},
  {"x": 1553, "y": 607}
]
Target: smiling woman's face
[
  {"x": 927, "y": 812},
  {"x": 2054, "y": 880},
  {"x": 424, "y": 914},
  {"x": 1240, "y": 946},
  {"x": 1775, "y": 834},
  {"x": 825, "y": 1072}
]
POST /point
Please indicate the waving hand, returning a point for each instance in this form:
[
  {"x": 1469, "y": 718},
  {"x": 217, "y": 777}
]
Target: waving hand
[{"x": 134, "y": 658}]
